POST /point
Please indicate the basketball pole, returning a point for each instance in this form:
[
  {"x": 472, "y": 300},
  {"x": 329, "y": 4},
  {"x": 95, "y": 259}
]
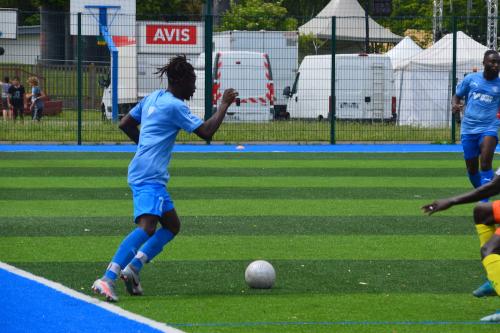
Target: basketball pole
[{"x": 103, "y": 27}]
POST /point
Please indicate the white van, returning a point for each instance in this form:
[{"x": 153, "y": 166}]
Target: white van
[
  {"x": 247, "y": 72},
  {"x": 282, "y": 47},
  {"x": 364, "y": 88}
]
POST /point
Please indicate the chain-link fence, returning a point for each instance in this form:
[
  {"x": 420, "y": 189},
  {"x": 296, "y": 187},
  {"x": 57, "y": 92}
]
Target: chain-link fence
[{"x": 379, "y": 85}]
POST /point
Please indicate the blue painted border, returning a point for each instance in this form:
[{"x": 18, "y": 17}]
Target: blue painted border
[
  {"x": 29, "y": 306},
  {"x": 250, "y": 148}
]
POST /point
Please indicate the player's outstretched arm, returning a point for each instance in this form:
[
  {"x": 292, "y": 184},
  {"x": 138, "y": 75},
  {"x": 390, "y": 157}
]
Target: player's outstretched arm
[
  {"x": 487, "y": 190},
  {"x": 209, "y": 127},
  {"x": 130, "y": 126}
]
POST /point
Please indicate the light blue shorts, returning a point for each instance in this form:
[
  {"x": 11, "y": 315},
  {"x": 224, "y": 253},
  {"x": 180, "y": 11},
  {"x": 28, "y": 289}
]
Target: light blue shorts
[
  {"x": 151, "y": 199},
  {"x": 471, "y": 143}
]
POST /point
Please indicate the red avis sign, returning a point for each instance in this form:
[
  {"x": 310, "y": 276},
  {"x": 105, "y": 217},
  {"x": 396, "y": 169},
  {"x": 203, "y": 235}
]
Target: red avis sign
[{"x": 171, "y": 34}]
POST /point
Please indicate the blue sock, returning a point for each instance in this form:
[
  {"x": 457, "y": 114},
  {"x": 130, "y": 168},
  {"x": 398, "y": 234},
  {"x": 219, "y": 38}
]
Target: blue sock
[
  {"x": 126, "y": 251},
  {"x": 475, "y": 179},
  {"x": 486, "y": 177},
  {"x": 152, "y": 248}
]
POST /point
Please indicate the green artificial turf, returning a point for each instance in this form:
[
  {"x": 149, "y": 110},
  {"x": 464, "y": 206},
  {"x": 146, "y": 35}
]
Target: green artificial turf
[{"x": 352, "y": 250}]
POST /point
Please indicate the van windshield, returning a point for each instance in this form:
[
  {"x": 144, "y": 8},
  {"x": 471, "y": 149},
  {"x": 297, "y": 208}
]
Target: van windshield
[{"x": 296, "y": 83}]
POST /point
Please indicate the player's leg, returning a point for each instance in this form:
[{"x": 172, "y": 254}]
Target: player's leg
[
  {"x": 149, "y": 251},
  {"x": 487, "y": 146},
  {"x": 491, "y": 261},
  {"x": 170, "y": 226},
  {"x": 484, "y": 219},
  {"x": 470, "y": 146},
  {"x": 146, "y": 215},
  {"x": 125, "y": 252}
]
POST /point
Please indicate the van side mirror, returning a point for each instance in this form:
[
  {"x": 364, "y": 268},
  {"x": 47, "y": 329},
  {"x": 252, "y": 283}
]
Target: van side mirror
[{"x": 287, "y": 92}]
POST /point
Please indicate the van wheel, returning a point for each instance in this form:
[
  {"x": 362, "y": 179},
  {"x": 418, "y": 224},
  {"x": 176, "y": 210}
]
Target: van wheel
[{"x": 320, "y": 118}]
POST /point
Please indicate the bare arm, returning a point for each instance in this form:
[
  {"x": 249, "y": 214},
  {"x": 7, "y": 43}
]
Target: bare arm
[
  {"x": 487, "y": 190},
  {"x": 456, "y": 104},
  {"x": 209, "y": 127},
  {"x": 130, "y": 126}
]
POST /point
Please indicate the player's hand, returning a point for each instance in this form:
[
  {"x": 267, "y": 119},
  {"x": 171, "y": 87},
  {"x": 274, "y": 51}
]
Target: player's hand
[
  {"x": 456, "y": 107},
  {"x": 229, "y": 96},
  {"x": 436, "y": 206}
]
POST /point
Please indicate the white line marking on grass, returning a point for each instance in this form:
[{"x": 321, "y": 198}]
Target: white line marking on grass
[{"x": 85, "y": 298}]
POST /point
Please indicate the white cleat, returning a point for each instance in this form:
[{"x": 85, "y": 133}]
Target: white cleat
[
  {"x": 106, "y": 288},
  {"x": 132, "y": 281},
  {"x": 492, "y": 317}
]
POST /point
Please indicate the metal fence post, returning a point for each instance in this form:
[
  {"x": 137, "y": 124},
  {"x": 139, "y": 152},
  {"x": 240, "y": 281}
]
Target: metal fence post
[
  {"x": 454, "y": 76},
  {"x": 208, "y": 60},
  {"x": 79, "y": 79},
  {"x": 333, "y": 99}
]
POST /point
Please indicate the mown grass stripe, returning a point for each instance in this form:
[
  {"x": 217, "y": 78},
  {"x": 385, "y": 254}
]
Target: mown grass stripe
[
  {"x": 194, "y": 193},
  {"x": 431, "y": 173},
  {"x": 244, "y": 163},
  {"x": 245, "y": 225},
  {"x": 226, "y": 207},
  {"x": 238, "y": 182},
  {"x": 231, "y": 156},
  {"x": 225, "y": 277},
  {"x": 320, "y": 307},
  {"x": 230, "y": 247}
]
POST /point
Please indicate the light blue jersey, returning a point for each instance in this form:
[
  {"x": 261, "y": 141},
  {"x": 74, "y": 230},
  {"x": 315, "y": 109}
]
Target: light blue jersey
[
  {"x": 161, "y": 116},
  {"x": 483, "y": 101}
]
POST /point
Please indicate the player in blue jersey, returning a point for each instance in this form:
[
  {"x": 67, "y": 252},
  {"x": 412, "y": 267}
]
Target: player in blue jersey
[
  {"x": 480, "y": 123},
  {"x": 479, "y": 136},
  {"x": 161, "y": 116}
]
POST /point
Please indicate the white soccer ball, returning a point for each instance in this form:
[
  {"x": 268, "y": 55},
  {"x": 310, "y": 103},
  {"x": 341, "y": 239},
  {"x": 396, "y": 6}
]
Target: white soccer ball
[{"x": 260, "y": 274}]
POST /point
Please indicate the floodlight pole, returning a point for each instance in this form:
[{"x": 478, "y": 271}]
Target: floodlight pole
[
  {"x": 208, "y": 60},
  {"x": 367, "y": 26},
  {"x": 492, "y": 25},
  {"x": 437, "y": 22}
]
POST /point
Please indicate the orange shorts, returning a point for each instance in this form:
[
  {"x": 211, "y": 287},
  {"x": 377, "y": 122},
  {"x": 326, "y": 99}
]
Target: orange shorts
[{"x": 495, "y": 205}]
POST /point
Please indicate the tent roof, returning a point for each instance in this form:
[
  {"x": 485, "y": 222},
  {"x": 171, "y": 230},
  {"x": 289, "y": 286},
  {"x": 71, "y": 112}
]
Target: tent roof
[
  {"x": 350, "y": 24},
  {"x": 405, "y": 49},
  {"x": 441, "y": 54}
]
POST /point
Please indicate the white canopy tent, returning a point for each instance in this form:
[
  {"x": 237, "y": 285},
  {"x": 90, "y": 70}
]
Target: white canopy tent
[
  {"x": 399, "y": 54},
  {"x": 405, "y": 50},
  {"x": 426, "y": 80},
  {"x": 350, "y": 24}
]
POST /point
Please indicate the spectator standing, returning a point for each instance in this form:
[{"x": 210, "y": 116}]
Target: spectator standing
[
  {"x": 36, "y": 98},
  {"x": 5, "y": 105},
  {"x": 15, "y": 98}
]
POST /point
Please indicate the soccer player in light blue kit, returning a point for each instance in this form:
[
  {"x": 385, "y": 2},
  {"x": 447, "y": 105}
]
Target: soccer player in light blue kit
[
  {"x": 160, "y": 115},
  {"x": 479, "y": 136}
]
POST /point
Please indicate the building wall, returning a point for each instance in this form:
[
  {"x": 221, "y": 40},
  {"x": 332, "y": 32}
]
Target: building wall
[{"x": 23, "y": 50}]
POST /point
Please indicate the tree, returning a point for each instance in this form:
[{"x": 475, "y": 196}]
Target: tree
[
  {"x": 258, "y": 15},
  {"x": 417, "y": 15},
  {"x": 154, "y": 9},
  {"x": 304, "y": 10}
]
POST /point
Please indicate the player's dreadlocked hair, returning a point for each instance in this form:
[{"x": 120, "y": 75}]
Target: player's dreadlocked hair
[
  {"x": 177, "y": 70},
  {"x": 488, "y": 53}
]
